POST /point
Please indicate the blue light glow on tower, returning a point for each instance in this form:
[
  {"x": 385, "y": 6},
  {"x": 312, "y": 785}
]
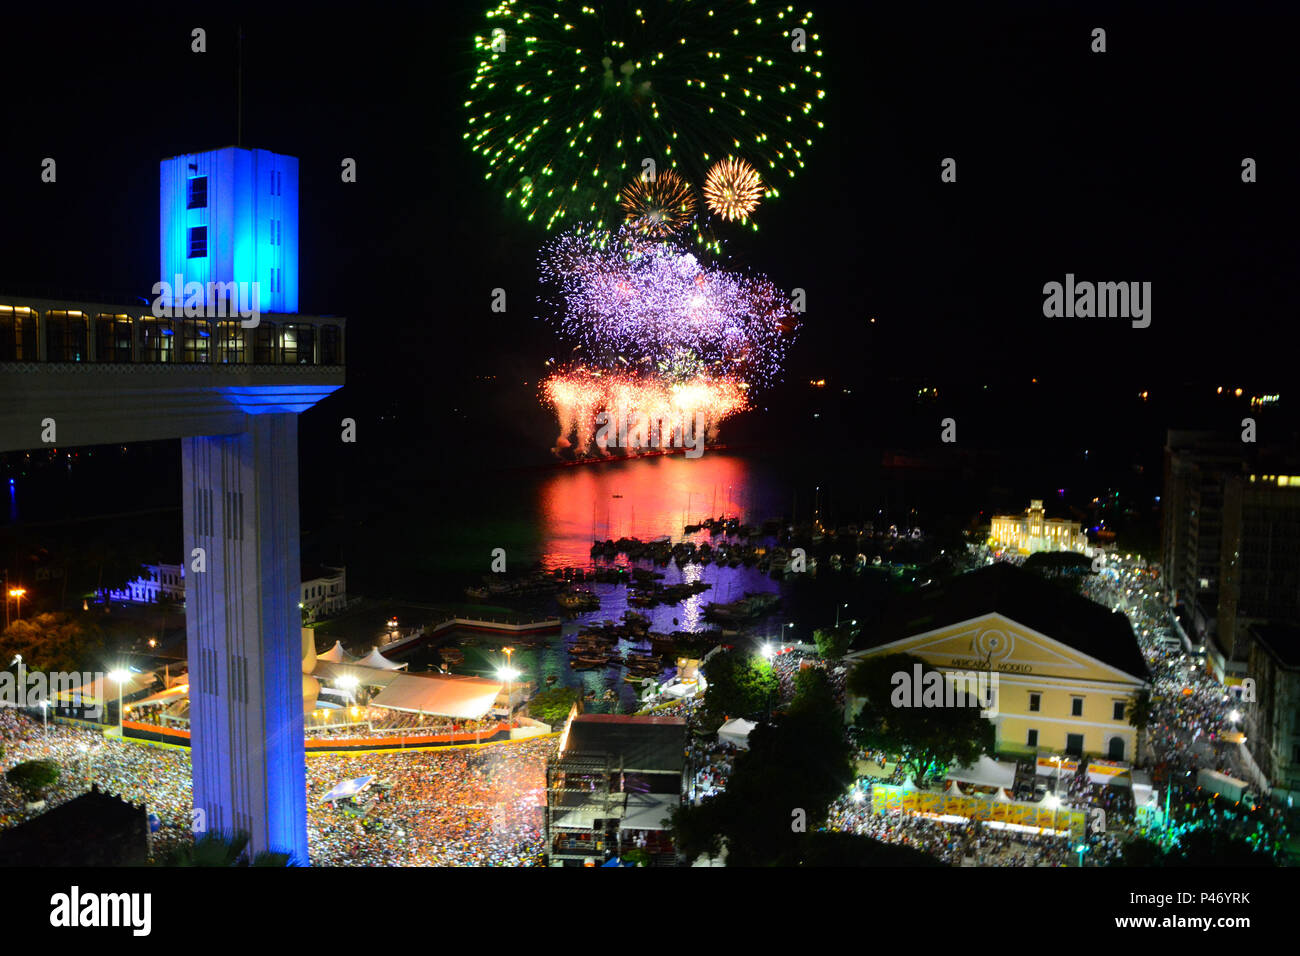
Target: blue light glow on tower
[{"x": 231, "y": 215}]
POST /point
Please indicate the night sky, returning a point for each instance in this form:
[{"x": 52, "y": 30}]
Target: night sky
[{"x": 1122, "y": 166}]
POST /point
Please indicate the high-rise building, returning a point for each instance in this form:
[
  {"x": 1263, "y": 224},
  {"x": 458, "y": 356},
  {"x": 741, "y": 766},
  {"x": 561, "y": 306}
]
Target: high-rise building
[
  {"x": 1196, "y": 464},
  {"x": 1260, "y": 556},
  {"x": 1272, "y": 719}
]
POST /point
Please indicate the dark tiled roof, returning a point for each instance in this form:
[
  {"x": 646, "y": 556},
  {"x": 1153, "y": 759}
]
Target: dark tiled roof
[
  {"x": 655, "y": 744},
  {"x": 1025, "y": 598},
  {"x": 94, "y": 829}
]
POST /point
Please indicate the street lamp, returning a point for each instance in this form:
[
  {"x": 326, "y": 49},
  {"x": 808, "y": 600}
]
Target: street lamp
[
  {"x": 45, "y": 715},
  {"x": 349, "y": 682},
  {"x": 1081, "y": 849},
  {"x": 1053, "y": 801},
  {"x": 508, "y": 674},
  {"x": 120, "y": 676},
  {"x": 1058, "y": 761},
  {"x": 17, "y": 595},
  {"x": 837, "y": 614}
]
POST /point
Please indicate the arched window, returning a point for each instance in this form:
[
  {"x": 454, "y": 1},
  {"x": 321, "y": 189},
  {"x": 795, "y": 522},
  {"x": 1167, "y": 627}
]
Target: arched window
[{"x": 1115, "y": 750}]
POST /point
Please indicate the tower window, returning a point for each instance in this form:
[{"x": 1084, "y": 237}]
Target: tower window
[
  {"x": 198, "y": 242},
  {"x": 198, "y": 194}
]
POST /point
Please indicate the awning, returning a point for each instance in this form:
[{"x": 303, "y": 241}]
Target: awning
[
  {"x": 348, "y": 788},
  {"x": 647, "y": 811},
  {"x": 582, "y": 813},
  {"x": 443, "y": 695},
  {"x": 1109, "y": 772},
  {"x": 986, "y": 772}
]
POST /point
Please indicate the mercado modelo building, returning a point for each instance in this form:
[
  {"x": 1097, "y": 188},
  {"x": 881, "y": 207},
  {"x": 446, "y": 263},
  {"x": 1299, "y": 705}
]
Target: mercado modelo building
[
  {"x": 1034, "y": 531},
  {"x": 1067, "y": 669}
]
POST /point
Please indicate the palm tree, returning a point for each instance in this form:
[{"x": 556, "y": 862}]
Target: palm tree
[
  {"x": 1139, "y": 715},
  {"x": 218, "y": 849}
]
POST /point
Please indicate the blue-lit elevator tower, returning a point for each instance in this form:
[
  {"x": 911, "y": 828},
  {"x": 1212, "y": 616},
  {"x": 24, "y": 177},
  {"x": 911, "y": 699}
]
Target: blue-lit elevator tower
[
  {"x": 231, "y": 215},
  {"x": 231, "y": 390}
]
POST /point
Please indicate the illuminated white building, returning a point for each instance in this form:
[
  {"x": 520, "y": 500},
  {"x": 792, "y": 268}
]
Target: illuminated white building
[
  {"x": 323, "y": 592},
  {"x": 1034, "y": 531}
]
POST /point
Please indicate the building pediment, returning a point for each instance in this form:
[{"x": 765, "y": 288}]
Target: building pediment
[{"x": 996, "y": 642}]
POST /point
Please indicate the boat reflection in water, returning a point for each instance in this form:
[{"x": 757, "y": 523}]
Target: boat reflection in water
[
  {"x": 644, "y": 498},
  {"x": 647, "y": 498}
]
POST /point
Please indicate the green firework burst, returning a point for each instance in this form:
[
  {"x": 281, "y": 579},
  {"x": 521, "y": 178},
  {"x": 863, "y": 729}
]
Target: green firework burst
[{"x": 568, "y": 99}]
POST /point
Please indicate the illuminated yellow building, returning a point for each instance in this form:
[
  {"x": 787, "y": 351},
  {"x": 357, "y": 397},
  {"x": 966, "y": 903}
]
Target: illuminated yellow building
[
  {"x": 1034, "y": 531},
  {"x": 1067, "y": 669}
]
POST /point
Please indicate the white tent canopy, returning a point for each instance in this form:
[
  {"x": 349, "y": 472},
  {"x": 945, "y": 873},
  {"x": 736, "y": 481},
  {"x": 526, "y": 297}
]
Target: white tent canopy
[
  {"x": 1142, "y": 789},
  {"x": 103, "y": 689},
  {"x": 736, "y": 732},
  {"x": 165, "y": 696},
  {"x": 339, "y": 676},
  {"x": 379, "y": 661},
  {"x": 464, "y": 698},
  {"x": 336, "y": 655},
  {"x": 986, "y": 772}
]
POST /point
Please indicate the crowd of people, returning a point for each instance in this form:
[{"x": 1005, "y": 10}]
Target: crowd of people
[
  {"x": 711, "y": 764},
  {"x": 157, "y": 777},
  {"x": 787, "y": 666},
  {"x": 968, "y": 843},
  {"x": 479, "y": 807},
  {"x": 453, "y": 807},
  {"x": 370, "y": 721}
]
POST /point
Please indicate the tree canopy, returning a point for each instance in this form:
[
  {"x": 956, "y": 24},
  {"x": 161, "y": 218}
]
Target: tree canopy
[
  {"x": 927, "y": 740},
  {"x": 33, "y": 777},
  {"x": 740, "y": 685},
  {"x": 1202, "y": 847},
  {"x": 780, "y": 790},
  {"x": 54, "y": 642},
  {"x": 552, "y": 705},
  {"x": 832, "y": 642}
]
